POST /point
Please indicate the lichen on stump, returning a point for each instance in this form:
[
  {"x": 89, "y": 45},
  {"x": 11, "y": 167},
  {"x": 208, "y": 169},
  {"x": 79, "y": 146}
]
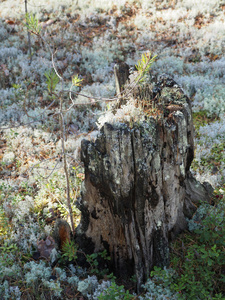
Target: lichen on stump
[{"x": 135, "y": 197}]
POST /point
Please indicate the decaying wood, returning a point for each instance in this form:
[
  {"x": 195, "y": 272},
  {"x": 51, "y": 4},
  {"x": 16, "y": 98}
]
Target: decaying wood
[
  {"x": 121, "y": 73},
  {"x": 138, "y": 189}
]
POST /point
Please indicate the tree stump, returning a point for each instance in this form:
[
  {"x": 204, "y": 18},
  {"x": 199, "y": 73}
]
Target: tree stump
[{"x": 138, "y": 189}]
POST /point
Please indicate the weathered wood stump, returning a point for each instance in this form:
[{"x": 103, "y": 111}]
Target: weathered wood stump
[{"x": 138, "y": 189}]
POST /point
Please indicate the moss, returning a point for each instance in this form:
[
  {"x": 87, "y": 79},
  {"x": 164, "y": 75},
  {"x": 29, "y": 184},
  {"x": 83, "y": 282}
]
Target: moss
[{"x": 201, "y": 118}]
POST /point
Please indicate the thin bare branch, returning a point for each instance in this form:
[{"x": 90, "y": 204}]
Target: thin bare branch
[
  {"x": 28, "y": 35},
  {"x": 24, "y": 106},
  {"x": 62, "y": 127},
  {"x": 54, "y": 67},
  {"x": 46, "y": 159},
  {"x": 45, "y": 178}
]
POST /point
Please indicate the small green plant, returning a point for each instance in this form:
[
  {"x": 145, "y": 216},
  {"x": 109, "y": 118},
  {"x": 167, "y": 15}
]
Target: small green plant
[
  {"x": 69, "y": 250},
  {"x": 93, "y": 260},
  {"x": 9, "y": 248},
  {"x": 6, "y": 260},
  {"x": 115, "y": 292},
  {"x": 3, "y": 223},
  {"x": 143, "y": 66},
  {"x": 8, "y": 253},
  {"x": 200, "y": 118},
  {"x": 32, "y": 23},
  {"x": 76, "y": 81},
  {"x": 52, "y": 80}
]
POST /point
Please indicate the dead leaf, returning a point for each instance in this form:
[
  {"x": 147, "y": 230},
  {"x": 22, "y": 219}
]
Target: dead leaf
[
  {"x": 47, "y": 23},
  {"x": 45, "y": 247},
  {"x": 10, "y": 22},
  {"x": 81, "y": 176}
]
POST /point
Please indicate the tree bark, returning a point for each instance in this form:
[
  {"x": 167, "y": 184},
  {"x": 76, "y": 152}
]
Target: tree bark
[{"x": 138, "y": 189}]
